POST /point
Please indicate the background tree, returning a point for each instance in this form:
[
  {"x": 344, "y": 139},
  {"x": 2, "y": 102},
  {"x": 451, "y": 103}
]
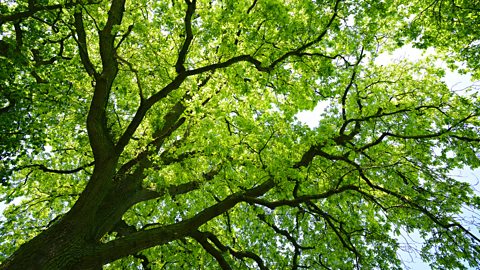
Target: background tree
[{"x": 164, "y": 134}]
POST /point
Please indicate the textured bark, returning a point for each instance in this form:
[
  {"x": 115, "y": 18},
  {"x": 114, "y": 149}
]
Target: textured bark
[
  {"x": 72, "y": 240},
  {"x": 59, "y": 247}
]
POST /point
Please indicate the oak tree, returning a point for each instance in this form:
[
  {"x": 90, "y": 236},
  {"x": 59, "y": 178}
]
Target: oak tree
[{"x": 164, "y": 134}]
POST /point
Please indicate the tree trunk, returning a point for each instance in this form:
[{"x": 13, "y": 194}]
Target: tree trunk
[
  {"x": 71, "y": 242},
  {"x": 59, "y": 247}
]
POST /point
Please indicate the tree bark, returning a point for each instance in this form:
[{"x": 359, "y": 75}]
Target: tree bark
[
  {"x": 59, "y": 247},
  {"x": 72, "y": 239}
]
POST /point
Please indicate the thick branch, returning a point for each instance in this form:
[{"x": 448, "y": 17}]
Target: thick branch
[
  {"x": 115, "y": 15},
  {"x": 143, "y": 109},
  {"x": 237, "y": 59},
  {"x": 159, "y": 236},
  {"x": 179, "y": 66},
  {"x": 100, "y": 141},
  {"x": 161, "y": 136},
  {"x": 316, "y": 150},
  {"x": 129, "y": 191},
  {"x": 82, "y": 44},
  {"x": 173, "y": 190}
]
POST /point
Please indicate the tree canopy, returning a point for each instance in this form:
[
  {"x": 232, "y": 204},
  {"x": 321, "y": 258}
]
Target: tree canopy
[{"x": 164, "y": 134}]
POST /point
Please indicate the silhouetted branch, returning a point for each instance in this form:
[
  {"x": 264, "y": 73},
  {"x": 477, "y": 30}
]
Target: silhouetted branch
[{"x": 49, "y": 170}]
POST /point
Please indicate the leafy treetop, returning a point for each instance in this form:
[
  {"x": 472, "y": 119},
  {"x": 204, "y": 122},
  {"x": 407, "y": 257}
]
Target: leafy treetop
[{"x": 163, "y": 134}]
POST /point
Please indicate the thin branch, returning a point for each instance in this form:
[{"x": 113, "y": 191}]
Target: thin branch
[
  {"x": 237, "y": 254},
  {"x": 124, "y": 36},
  {"x": 172, "y": 123},
  {"x": 350, "y": 84},
  {"x": 302, "y": 199},
  {"x": 202, "y": 239},
  {"x": 171, "y": 119},
  {"x": 49, "y": 170},
  {"x": 416, "y": 206},
  {"x": 380, "y": 113},
  {"x": 284, "y": 233},
  {"x": 137, "y": 77},
  {"x": 143, "y": 260},
  {"x": 173, "y": 190},
  {"x": 347, "y": 63},
  {"x": 464, "y": 138},
  {"x": 32, "y": 9},
  {"x": 328, "y": 218},
  {"x": 300, "y": 49},
  {"x": 252, "y": 6}
]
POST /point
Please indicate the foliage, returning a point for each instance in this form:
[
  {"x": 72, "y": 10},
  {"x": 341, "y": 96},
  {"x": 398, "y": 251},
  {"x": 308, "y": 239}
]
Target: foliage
[
  {"x": 450, "y": 26},
  {"x": 163, "y": 134}
]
